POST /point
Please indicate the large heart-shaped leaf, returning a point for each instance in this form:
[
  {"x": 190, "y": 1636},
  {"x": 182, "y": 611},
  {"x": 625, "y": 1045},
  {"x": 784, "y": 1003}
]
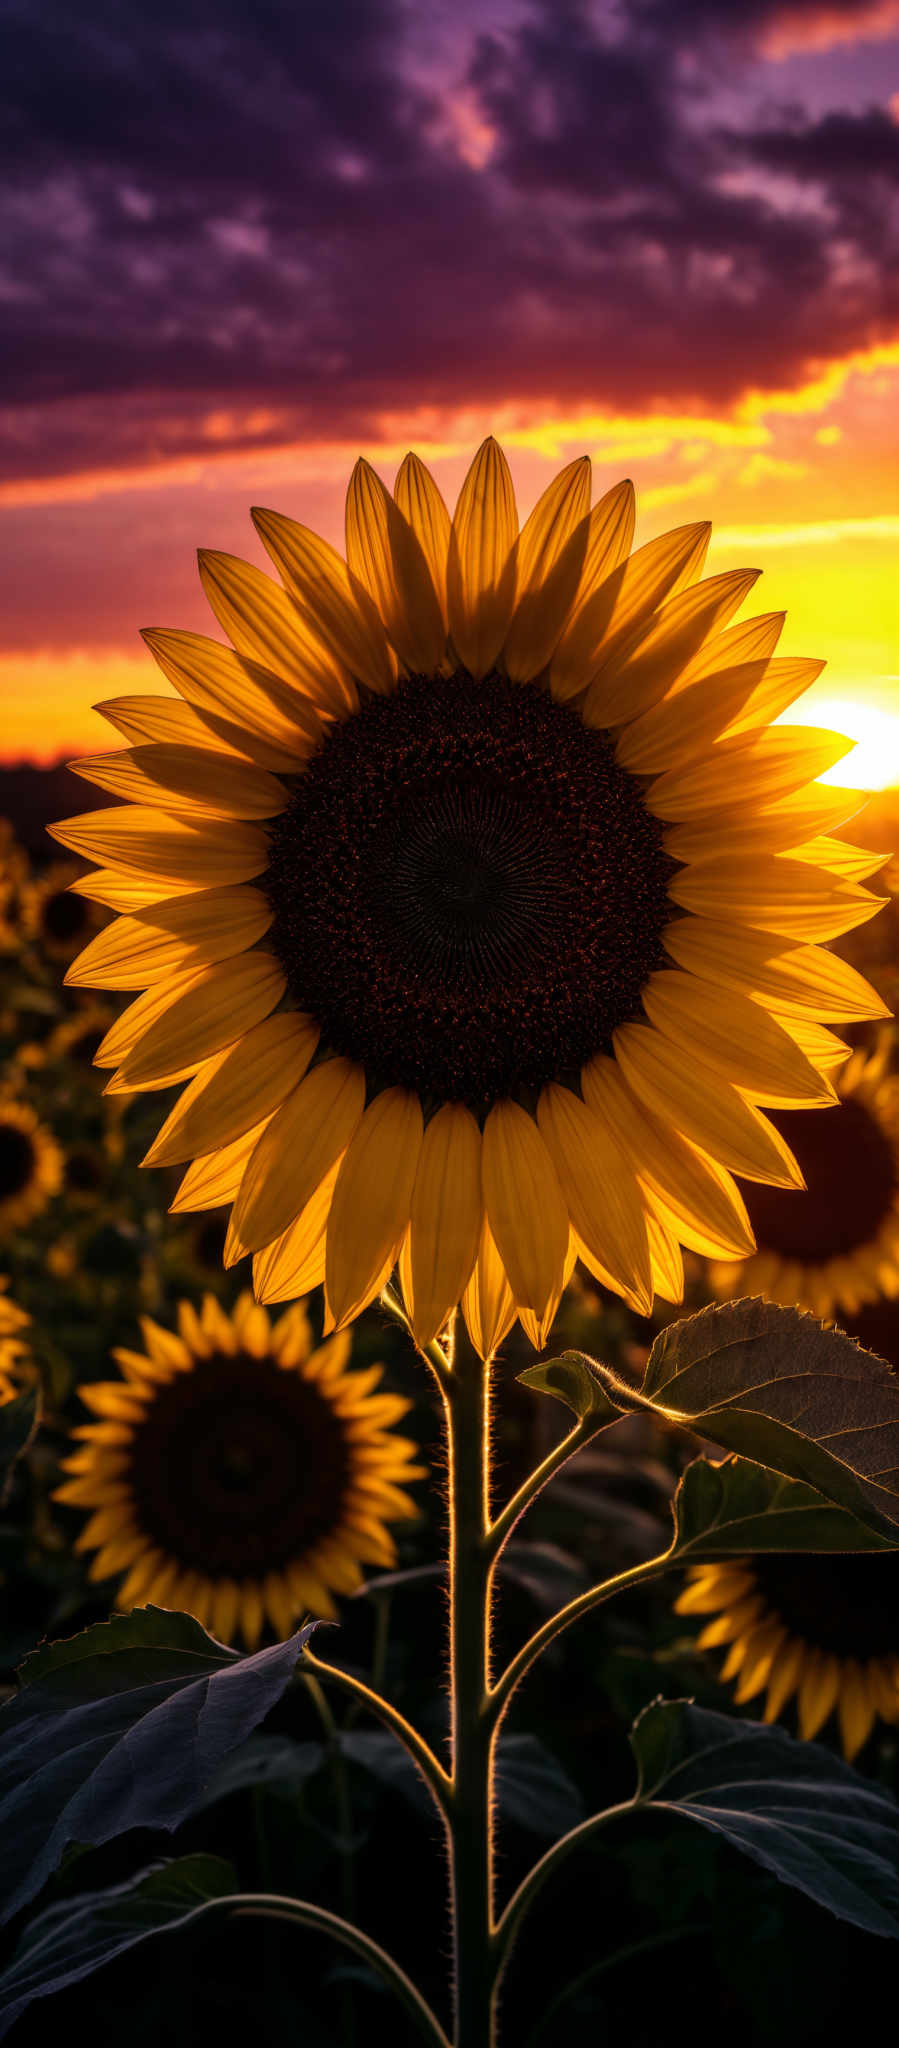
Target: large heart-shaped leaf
[
  {"x": 780, "y": 1388},
  {"x": 572, "y": 1378},
  {"x": 122, "y": 1727},
  {"x": 727, "y": 1509},
  {"x": 78, "y": 1936},
  {"x": 793, "y": 1806}
]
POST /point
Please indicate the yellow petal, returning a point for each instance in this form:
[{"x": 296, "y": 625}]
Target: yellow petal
[
  {"x": 186, "y": 780},
  {"x": 221, "y": 1004},
  {"x": 621, "y": 602},
  {"x": 735, "y": 1036},
  {"x": 603, "y": 1199},
  {"x": 250, "y": 1080},
  {"x": 666, "y": 1259},
  {"x": 749, "y": 640},
  {"x": 685, "y": 723},
  {"x": 856, "y": 1708},
  {"x": 551, "y": 554},
  {"x": 419, "y": 500},
  {"x": 446, "y": 1216},
  {"x": 678, "y": 1090},
  {"x": 129, "y": 892},
  {"x": 525, "y": 1208},
  {"x": 488, "y": 1304},
  {"x": 337, "y": 612},
  {"x": 783, "y": 681},
  {"x": 755, "y": 768},
  {"x": 818, "y": 1692},
  {"x": 786, "y": 825},
  {"x": 801, "y": 980},
  {"x": 481, "y": 570},
  {"x": 712, "y": 1590},
  {"x": 386, "y": 557},
  {"x": 144, "y": 840},
  {"x": 301, "y": 1142},
  {"x": 221, "y": 684},
  {"x": 773, "y": 894},
  {"x": 216, "y": 1178},
  {"x": 784, "y": 1676},
  {"x": 295, "y": 1262},
  {"x": 264, "y": 623},
  {"x": 172, "y": 937},
  {"x": 632, "y": 674},
  {"x": 852, "y": 863},
  {"x": 372, "y": 1201},
  {"x": 168, "y": 722},
  {"x": 124, "y": 1034},
  {"x": 684, "y": 1183}
]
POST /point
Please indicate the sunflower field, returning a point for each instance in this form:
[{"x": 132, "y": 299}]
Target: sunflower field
[{"x": 449, "y": 1314}]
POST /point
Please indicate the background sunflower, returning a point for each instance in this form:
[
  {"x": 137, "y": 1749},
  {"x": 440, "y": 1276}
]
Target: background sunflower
[
  {"x": 31, "y": 1165},
  {"x": 475, "y": 900},
  {"x": 833, "y": 1245},
  {"x": 238, "y": 1473},
  {"x": 823, "y": 1630}
]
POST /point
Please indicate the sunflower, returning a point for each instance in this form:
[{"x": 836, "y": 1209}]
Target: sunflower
[
  {"x": 823, "y": 1628},
  {"x": 58, "y": 919},
  {"x": 78, "y": 1037},
  {"x": 13, "y": 1346},
  {"x": 475, "y": 901},
  {"x": 238, "y": 1473},
  {"x": 834, "y": 1244},
  {"x": 31, "y": 1165}
]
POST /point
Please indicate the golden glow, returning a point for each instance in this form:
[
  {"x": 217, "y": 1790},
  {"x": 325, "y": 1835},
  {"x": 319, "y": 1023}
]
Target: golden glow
[{"x": 874, "y": 761}]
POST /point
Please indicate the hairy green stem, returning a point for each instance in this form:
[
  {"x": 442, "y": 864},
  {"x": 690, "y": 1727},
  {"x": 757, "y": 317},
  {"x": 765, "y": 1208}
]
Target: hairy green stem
[
  {"x": 436, "y": 1778},
  {"x": 470, "y": 1815},
  {"x": 505, "y": 1522},
  {"x": 270, "y": 1905},
  {"x": 638, "y": 1575}
]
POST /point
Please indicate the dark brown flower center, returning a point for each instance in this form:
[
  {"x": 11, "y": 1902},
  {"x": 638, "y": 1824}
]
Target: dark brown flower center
[
  {"x": 850, "y": 1171},
  {"x": 238, "y": 1468},
  {"x": 64, "y": 917},
  {"x": 16, "y": 1161},
  {"x": 847, "y": 1605},
  {"x": 469, "y": 892}
]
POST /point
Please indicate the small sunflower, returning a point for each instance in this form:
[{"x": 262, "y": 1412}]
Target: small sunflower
[
  {"x": 79, "y": 1037},
  {"x": 13, "y": 1345},
  {"x": 833, "y": 1245},
  {"x": 238, "y": 1473},
  {"x": 475, "y": 896},
  {"x": 823, "y": 1628},
  {"x": 58, "y": 920},
  {"x": 31, "y": 1165}
]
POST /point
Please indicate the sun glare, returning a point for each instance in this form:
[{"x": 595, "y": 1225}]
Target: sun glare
[{"x": 874, "y": 761}]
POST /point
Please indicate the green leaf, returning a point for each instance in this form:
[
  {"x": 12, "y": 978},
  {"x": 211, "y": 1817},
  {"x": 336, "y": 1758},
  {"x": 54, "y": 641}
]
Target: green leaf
[
  {"x": 778, "y": 1387},
  {"x": 19, "y": 1419},
  {"x": 727, "y": 1509},
  {"x": 794, "y": 1807},
  {"x": 121, "y": 1727},
  {"x": 71, "y": 1940},
  {"x": 572, "y": 1378}
]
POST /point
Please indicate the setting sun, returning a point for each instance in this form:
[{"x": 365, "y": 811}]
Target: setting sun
[{"x": 874, "y": 761}]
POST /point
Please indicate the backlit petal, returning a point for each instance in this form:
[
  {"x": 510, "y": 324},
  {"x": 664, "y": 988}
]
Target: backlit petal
[
  {"x": 481, "y": 569},
  {"x": 525, "y": 1207},
  {"x": 372, "y": 1201}
]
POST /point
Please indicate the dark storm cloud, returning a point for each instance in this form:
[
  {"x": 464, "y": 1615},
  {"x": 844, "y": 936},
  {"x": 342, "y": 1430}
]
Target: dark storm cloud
[{"x": 231, "y": 227}]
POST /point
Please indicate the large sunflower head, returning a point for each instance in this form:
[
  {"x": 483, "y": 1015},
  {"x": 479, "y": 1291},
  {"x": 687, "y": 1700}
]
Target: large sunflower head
[
  {"x": 825, "y": 1629},
  {"x": 237, "y": 1472},
  {"x": 475, "y": 900},
  {"x": 835, "y": 1243},
  {"x": 54, "y": 915},
  {"x": 31, "y": 1165},
  {"x": 14, "y": 1352}
]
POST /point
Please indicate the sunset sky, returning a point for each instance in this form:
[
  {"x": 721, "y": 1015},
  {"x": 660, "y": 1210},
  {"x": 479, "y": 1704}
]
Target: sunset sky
[{"x": 244, "y": 245}]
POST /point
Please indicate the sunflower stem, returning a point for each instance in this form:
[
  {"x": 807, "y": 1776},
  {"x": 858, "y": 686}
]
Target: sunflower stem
[
  {"x": 639, "y": 1575},
  {"x": 501, "y": 1529},
  {"x": 470, "y": 1806},
  {"x": 436, "y": 1778}
]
